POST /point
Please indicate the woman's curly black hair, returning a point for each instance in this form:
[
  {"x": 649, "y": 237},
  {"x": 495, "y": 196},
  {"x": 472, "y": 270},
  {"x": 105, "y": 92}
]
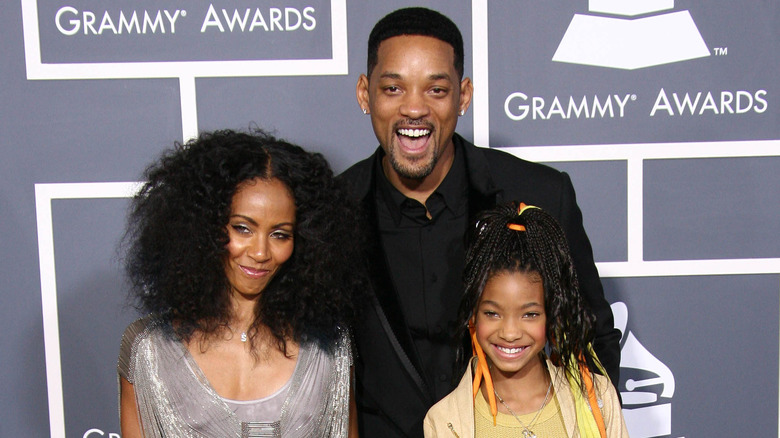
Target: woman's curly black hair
[
  {"x": 540, "y": 249},
  {"x": 177, "y": 236}
]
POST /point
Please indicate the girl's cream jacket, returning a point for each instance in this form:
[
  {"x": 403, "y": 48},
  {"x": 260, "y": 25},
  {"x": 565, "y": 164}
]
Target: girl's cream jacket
[{"x": 453, "y": 416}]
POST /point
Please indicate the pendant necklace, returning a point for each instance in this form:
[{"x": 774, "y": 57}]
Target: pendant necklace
[
  {"x": 527, "y": 432},
  {"x": 244, "y": 337}
]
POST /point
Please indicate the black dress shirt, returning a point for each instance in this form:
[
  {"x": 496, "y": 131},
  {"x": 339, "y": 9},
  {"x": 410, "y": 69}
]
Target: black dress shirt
[{"x": 428, "y": 279}]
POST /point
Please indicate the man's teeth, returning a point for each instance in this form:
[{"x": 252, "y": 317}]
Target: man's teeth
[
  {"x": 414, "y": 132},
  {"x": 510, "y": 350}
]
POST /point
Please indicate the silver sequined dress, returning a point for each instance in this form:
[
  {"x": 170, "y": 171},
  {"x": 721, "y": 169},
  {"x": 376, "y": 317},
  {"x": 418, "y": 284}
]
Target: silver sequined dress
[{"x": 174, "y": 398}]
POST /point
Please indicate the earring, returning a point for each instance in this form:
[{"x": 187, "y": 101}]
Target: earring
[
  {"x": 365, "y": 111},
  {"x": 461, "y": 113}
]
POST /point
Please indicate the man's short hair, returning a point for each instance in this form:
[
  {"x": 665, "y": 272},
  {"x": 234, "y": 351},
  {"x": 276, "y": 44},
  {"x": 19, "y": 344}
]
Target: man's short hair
[{"x": 415, "y": 21}]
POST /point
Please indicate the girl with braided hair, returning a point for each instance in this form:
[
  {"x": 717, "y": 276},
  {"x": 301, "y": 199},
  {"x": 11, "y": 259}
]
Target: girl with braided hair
[{"x": 531, "y": 373}]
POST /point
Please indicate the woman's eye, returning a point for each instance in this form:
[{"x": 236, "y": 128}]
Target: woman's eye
[
  {"x": 240, "y": 229},
  {"x": 282, "y": 235},
  {"x": 532, "y": 315}
]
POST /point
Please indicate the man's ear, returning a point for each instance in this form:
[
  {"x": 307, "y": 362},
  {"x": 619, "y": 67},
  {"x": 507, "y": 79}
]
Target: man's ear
[
  {"x": 466, "y": 92},
  {"x": 361, "y": 92}
]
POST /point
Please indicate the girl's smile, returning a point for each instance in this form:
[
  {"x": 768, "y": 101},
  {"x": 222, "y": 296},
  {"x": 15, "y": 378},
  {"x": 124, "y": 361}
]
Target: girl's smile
[{"x": 510, "y": 323}]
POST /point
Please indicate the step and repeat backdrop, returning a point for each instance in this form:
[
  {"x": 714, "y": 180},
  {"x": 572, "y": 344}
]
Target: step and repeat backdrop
[{"x": 664, "y": 112}]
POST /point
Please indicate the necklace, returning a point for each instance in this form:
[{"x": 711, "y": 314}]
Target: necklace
[
  {"x": 244, "y": 337},
  {"x": 527, "y": 432}
]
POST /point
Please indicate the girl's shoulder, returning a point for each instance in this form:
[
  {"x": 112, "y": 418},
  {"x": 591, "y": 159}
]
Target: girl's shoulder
[
  {"x": 602, "y": 384},
  {"x": 454, "y": 414},
  {"x": 606, "y": 397}
]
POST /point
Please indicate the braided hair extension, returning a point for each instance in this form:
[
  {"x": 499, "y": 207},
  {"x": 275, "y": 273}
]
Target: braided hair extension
[{"x": 504, "y": 240}]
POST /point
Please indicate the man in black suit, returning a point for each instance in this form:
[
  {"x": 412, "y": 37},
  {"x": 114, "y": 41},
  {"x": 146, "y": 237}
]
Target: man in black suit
[{"x": 419, "y": 192}]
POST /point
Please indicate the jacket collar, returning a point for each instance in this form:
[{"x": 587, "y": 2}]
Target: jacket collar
[{"x": 477, "y": 170}]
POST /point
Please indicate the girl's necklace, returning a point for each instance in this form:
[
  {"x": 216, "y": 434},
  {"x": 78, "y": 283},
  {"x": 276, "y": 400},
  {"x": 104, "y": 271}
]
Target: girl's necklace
[{"x": 527, "y": 432}]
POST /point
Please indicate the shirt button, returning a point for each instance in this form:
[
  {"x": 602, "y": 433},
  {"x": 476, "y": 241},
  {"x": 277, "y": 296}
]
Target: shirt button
[
  {"x": 443, "y": 377},
  {"x": 437, "y": 329}
]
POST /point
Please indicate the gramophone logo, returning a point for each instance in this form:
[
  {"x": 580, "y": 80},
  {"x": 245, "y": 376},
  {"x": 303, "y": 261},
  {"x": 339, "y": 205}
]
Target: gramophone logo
[
  {"x": 649, "y": 384},
  {"x": 630, "y": 43}
]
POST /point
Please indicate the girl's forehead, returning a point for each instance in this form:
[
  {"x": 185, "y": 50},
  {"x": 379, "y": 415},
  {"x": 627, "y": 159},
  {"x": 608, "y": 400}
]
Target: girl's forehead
[
  {"x": 510, "y": 288},
  {"x": 530, "y": 275}
]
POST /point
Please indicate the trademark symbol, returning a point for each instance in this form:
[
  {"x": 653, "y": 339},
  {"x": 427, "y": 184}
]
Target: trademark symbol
[
  {"x": 183, "y": 13},
  {"x": 721, "y": 51},
  {"x": 633, "y": 97}
]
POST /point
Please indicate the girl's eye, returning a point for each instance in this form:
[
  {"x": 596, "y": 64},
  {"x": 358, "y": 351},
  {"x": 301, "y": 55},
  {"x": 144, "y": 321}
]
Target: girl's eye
[
  {"x": 532, "y": 315},
  {"x": 490, "y": 313}
]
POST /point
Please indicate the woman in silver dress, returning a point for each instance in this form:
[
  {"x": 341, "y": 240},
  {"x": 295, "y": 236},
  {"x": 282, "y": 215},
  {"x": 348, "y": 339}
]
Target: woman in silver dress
[{"x": 242, "y": 256}]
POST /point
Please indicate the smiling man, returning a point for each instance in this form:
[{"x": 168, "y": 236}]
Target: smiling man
[{"x": 419, "y": 192}]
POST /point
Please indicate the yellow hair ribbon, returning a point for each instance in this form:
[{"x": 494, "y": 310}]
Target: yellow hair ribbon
[
  {"x": 523, "y": 207},
  {"x": 590, "y": 421},
  {"x": 520, "y": 209}
]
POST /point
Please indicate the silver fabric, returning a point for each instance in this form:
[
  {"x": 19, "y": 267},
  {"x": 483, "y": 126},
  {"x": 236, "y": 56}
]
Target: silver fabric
[
  {"x": 175, "y": 399},
  {"x": 264, "y": 409}
]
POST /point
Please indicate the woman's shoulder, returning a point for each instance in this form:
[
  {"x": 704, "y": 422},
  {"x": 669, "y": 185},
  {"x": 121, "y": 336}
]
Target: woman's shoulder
[
  {"x": 141, "y": 328},
  {"x": 336, "y": 352},
  {"x": 134, "y": 334},
  {"x": 339, "y": 342}
]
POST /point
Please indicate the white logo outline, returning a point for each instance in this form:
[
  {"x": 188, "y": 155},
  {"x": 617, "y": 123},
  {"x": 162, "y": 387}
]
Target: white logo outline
[
  {"x": 631, "y": 43},
  {"x": 647, "y": 413}
]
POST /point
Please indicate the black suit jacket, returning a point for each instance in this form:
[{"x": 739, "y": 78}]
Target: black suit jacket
[{"x": 392, "y": 395}]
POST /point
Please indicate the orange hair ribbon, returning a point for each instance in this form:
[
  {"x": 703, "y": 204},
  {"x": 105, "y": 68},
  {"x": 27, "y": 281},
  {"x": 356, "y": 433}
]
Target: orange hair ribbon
[
  {"x": 482, "y": 371},
  {"x": 592, "y": 400}
]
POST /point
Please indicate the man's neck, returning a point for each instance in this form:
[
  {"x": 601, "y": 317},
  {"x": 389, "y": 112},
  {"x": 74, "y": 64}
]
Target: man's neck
[{"x": 421, "y": 189}]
